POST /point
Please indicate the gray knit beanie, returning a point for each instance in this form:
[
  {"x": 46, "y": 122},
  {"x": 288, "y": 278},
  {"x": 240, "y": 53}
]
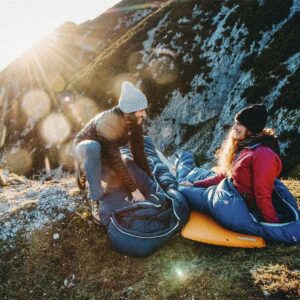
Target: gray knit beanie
[{"x": 131, "y": 99}]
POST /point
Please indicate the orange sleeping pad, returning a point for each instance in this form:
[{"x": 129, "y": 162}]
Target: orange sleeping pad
[{"x": 202, "y": 228}]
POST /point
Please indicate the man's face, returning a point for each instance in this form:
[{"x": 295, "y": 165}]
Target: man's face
[{"x": 140, "y": 115}]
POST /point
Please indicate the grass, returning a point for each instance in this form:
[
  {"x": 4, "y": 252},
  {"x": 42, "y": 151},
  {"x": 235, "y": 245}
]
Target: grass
[
  {"x": 83, "y": 265},
  {"x": 277, "y": 278}
]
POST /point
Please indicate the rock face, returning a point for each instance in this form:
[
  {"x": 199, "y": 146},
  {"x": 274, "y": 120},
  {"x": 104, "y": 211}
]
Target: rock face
[{"x": 198, "y": 62}]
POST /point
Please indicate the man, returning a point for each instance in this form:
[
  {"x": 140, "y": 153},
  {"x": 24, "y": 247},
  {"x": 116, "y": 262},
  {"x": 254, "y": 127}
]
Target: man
[{"x": 100, "y": 140}]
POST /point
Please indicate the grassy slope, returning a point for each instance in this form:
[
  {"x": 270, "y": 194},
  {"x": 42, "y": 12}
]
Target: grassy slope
[{"x": 38, "y": 267}]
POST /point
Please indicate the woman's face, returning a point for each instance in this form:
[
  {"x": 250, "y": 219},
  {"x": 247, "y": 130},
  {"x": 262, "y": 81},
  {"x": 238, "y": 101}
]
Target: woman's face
[{"x": 239, "y": 131}]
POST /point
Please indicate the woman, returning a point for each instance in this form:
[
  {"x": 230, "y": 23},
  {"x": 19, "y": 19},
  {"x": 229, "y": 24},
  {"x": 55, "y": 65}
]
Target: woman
[{"x": 250, "y": 156}]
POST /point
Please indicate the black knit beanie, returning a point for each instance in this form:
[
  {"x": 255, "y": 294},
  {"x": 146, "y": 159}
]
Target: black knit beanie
[{"x": 254, "y": 117}]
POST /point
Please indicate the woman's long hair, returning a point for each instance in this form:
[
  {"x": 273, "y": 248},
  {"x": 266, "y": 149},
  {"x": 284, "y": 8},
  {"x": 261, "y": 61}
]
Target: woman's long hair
[{"x": 226, "y": 154}]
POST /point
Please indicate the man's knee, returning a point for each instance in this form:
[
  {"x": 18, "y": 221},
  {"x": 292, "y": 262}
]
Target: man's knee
[
  {"x": 92, "y": 149},
  {"x": 87, "y": 149}
]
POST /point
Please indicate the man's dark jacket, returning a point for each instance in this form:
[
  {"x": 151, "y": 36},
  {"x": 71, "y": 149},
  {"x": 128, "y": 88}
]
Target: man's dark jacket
[{"x": 111, "y": 130}]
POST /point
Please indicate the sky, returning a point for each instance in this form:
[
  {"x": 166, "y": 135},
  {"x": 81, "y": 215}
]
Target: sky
[{"x": 23, "y": 22}]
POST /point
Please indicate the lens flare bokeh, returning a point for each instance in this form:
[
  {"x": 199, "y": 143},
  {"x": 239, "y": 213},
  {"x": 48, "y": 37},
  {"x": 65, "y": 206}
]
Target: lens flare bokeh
[
  {"x": 55, "y": 129},
  {"x": 163, "y": 69},
  {"x": 36, "y": 104},
  {"x": 134, "y": 61},
  {"x": 57, "y": 83},
  {"x": 82, "y": 110},
  {"x": 180, "y": 274},
  {"x": 134, "y": 7},
  {"x": 66, "y": 155},
  {"x": 19, "y": 161}
]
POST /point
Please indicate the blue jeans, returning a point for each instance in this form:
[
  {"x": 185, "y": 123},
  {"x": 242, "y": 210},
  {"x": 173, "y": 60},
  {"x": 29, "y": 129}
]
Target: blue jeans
[{"x": 87, "y": 156}]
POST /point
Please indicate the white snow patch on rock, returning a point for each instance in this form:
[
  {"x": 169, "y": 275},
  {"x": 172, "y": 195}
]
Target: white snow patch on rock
[
  {"x": 196, "y": 11},
  {"x": 148, "y": 44},
  {"x": 28, "y": 205},
  {"x": 183, "y": 20},
  {"x": 187, "y": 58}
]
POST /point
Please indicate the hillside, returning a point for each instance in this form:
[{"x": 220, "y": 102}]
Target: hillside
[
  {"x": 197, "y": 62},
  {"x": 50, "y": 248},
  {"x": 201, "y": 62},
  {"x": 34, "y": 86}
]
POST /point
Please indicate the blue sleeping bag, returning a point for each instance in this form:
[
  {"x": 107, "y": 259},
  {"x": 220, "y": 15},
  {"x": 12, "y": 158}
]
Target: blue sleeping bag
[
  {"x": 139, "y": 228},
  {"x": 224, "y": 203}
]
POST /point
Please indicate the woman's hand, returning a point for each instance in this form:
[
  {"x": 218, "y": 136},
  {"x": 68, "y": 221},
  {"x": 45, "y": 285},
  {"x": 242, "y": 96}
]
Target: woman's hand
[
  {"x": 186, "y": 183},
  {"x": 137, "y": 196}
]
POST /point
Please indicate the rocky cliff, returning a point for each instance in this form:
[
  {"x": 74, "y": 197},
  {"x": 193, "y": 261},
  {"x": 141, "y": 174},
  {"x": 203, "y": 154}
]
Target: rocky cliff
[{"x": 198, "y": 62}]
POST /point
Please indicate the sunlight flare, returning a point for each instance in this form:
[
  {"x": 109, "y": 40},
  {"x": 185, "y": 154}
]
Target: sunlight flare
[
  {"x": 19, "y": 161},
  {"x": 55, "y": 129},
  {"x": 57, "y": 83},
  {"x": 66, "y": 155},
  {"x": 163, "y": 69},
  {"x": 135, "y": 7},
  {"x": 180, "y": 274},
  {"x": 36, "y": 104},
  {"x": 81, "y": 110}
]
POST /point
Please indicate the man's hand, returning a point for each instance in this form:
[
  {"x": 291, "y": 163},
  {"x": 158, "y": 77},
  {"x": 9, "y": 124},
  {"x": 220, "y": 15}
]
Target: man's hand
[
  {"x": 137, "y": 196},
  {"x": 186, "y": 183}
]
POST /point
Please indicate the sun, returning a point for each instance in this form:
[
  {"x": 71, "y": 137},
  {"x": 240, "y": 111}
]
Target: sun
[{"x": 22, "y": 23}]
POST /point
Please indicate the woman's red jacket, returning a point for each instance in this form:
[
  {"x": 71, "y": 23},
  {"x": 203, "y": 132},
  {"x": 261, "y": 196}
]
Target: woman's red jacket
[{"x": 254, "y": 172}]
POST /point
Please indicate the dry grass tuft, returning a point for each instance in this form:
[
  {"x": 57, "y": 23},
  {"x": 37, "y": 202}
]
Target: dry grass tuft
[{"x": 277, "y": 279}]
